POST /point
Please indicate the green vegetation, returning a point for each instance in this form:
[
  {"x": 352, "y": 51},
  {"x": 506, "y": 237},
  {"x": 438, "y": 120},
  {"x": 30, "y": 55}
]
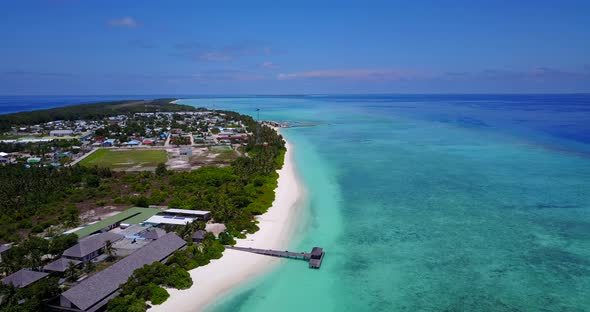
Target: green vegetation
[
  {"x": 128, "y": 303},
  {"x": 197, "y": 255},
  {"x": 30, "y": 298},
  {"x": 30, "y": 252},
  {"x": 119, "y": 159},
  {"x": 145, "y": 284},
  {"x": 35, "y": 199},
  {"x": 94, "y": 111},
  {"x": 180, "y": 140}
]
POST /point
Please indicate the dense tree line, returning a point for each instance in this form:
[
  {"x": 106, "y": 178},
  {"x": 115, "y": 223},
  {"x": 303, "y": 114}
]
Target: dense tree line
[
  {"x": 39, "y": 148},
  {"x": 33, "y": 199},
  {"x": 94, "y": 111}
]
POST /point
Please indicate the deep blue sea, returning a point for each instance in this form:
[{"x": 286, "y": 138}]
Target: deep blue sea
[{"x": 429, "y": 202}]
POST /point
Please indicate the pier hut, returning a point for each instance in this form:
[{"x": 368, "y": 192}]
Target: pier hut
[{"x": 316, "y": 257}]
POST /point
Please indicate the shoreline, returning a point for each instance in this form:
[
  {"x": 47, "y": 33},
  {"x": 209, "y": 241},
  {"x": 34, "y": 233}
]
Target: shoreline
[{"x": 235, "y": 268}]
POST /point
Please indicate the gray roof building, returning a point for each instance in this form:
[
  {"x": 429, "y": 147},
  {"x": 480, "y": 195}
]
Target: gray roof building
[
  {"x": 199, "y": 235},
  {"x": 94, "y": 292},
  {"x": 89, "y": 247},
  {"x": 61, "y": 132},
  {"x": 4, "y": 248},
  {"x": 153, "y": 233},
  {"x": 23, "y": 278},
  {"x": 60, "y": 265}
]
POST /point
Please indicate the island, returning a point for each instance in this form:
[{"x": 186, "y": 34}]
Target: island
[{"x": 110, "y": 204}]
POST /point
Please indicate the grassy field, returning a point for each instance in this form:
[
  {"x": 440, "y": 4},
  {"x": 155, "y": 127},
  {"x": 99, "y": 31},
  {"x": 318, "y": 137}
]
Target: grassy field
[{"x": 125, "y": 159}]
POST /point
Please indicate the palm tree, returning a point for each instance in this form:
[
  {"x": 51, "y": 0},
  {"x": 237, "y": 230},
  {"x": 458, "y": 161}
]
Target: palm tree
[
  {"x": 109, "y": 250},
  {"x": 89, "y": 266},
  {"x": 72, "y": 272}
]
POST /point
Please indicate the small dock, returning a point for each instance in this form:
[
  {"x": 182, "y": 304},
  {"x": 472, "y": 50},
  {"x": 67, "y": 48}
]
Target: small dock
[{"x": 314, "y": 257}]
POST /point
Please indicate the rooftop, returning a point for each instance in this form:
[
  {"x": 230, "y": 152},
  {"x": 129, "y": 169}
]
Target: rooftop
[
  {"x": 60, "y": 265},
  {"x": 174, "y": 220},
  {"x": 23, "y": 278},
  {"x": 199, "y": 234},
  {"x": 153, "y": 233},
  {"x": 4, "y": 248},
  {"x": 94, "y": 290},
  {"x": 133, "y": 215},
  {"x": 90, "y": 244},
  {"x": 187, "y": 211}
]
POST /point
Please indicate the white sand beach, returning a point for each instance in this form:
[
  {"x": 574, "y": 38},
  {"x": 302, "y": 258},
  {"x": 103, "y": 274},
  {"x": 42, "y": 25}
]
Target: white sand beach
[{"x": 235, "y": 267}]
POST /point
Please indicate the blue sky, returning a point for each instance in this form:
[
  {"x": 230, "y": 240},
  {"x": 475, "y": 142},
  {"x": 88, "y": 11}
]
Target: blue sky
[{"x": 257, "y": 47}]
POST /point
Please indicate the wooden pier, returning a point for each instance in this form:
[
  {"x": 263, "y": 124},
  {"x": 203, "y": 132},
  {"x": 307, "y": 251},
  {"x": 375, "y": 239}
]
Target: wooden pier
[{"x": 314, "y": 257}]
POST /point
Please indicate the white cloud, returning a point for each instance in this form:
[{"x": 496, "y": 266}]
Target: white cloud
[{"x": 126, "y": 21}]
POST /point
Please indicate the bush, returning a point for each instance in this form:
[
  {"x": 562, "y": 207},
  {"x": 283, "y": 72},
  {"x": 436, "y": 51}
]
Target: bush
[
  {"x": 226, "y": 238},
  {"x": 179, "y": 279},
  {"x": 157, "y": 294},
  {"x": 37, "y": 229},
  {"x": 161, "y": 169},
  {"x": 142, "y": 201},
  {"x": 25, "y": 224},
  {"x": 92, "y": 181},
  {"x": 129, "y": 303}
]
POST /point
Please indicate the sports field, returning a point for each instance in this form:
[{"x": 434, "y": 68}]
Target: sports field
[{"x": 125, "y": 159}]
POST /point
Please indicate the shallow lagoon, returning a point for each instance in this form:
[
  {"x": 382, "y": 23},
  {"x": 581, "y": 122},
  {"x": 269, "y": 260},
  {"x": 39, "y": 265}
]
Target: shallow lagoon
[{"x": 434, "y": 203}]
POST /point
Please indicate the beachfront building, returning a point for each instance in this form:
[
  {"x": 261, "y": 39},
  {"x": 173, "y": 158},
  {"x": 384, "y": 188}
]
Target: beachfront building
[
  {"x": 60, "y": 265},
  {"x": 199, "y": 236},
  {"x": 90, "y": 247},
  {"x": 93, "y": 293},
  {"x": 23, "y": 278},
  {"x": 124, "y": 219},
  {"x": 178, "y": 217}
]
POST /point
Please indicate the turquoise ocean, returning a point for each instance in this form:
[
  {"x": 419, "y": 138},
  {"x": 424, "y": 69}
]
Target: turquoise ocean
[
  {"x": 425, "y": 202},
  {"x": 432, "y": 203}
]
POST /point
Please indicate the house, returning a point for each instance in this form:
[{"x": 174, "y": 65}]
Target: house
[
  {"x": 61, "y": 133},
  {"x": 60, "y": 265},
  {"x": 33, "y": 160},
  {"x": 108, "y": 143},
  {"x": 132, "y": 143},
  {"x": 93, "y": 293},
  {"x": 90, "y": 247},
  {"x": 198, "y": 236},
  {"x": 23, "y": 278}
]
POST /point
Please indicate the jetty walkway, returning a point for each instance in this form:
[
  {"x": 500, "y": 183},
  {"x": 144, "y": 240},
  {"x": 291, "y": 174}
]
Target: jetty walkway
[{"x": 314, "y": 257}]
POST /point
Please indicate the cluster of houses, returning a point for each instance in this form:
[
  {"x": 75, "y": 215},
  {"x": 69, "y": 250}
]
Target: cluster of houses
[
  {"x": 53, "y": 157},
  {"x": 202, "y": 128},
  {"x": 136, "y": 235}
]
